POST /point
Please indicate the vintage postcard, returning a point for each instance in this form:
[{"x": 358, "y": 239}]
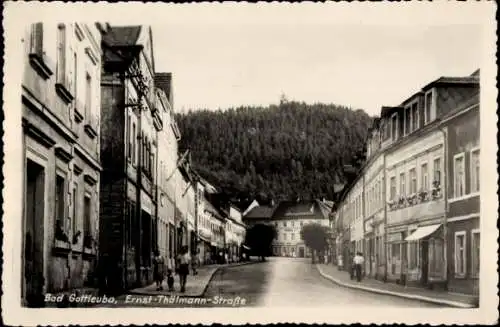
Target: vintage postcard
[{"x": 249, "y": 163}]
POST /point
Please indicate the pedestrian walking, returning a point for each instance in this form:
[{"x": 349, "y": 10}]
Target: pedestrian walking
[
  {"x": 170, "y": 273},
  {"x": 195, "y": 262},
  {"x": 158, "y": 270},
  {"x": 184, "y": 260},
  {"x": 358, "y": 264},
  {"x": 352, "y": 266}
]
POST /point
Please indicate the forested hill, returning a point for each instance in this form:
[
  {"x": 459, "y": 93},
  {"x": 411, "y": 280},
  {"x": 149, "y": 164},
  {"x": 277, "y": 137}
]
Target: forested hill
[{"x": 276, "y": 152}]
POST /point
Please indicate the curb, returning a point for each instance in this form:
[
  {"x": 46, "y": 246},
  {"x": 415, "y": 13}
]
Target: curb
[
  {"x": 214, "y": 270},
  {"x": 227, "y": 266},
  {"x": 397, "y": 294}
]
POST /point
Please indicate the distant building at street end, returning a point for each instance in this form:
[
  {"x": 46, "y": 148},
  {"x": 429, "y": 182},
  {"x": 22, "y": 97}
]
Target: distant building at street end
[{"x": 288, "y": 217}]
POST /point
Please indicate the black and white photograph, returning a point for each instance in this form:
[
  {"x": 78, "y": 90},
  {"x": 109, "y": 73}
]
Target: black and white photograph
[{"x": 254, "y": 160}]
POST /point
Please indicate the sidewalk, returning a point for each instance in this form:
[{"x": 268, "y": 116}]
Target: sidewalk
[
  {"x": 342, "y": 278},
  {"x": 195, "y": 284}
]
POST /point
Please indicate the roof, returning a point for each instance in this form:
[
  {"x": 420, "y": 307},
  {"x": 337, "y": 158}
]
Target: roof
[
  {"x": 211, "y": 208},
  {"x": 467, "y": 80},
  {"x": 265, "y": 212},
  {"x": 299, "y": 209},
  {"x": 325, "y": 208},
  {"x": 387, "y": 111},
  {"x": 122, "y": 35}
]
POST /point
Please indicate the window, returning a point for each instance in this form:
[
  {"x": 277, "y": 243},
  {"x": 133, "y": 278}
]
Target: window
[
  {"x": 88, "y": 95},
  {"x": 402, "y": 190},
  {"x": 475, "y": 251},
  {"x": 87, "y": 217},
  {"x": 134, "y": 142},
  {"x": 75, "y": 209},
  {"x": 413, "y": 181},
  {"x": 59, "y": 203},
  {"x": 284, "y": 224},
  {"x": 61, "y": 54},
  {"x": 407, "y": 125},
  {"x": 459, "y": 175},
  {"x": 474, "y": 171},
  {"x": 460, "y": 259},
  {"x": 293, "y": 236},
  {"x": 415, "y": 117},
  {"x": 36, "y": 39},
  {"x": 437, "y": 171},
  {"x": 429, "y": 112},
  {"x": 75, "y": 73},
  {"x": 393, "y": 187},
  {"x": 394, "y": 126},
  {"x": 424, "y": 175}
]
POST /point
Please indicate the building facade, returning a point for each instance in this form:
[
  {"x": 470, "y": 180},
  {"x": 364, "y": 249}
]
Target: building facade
[
  {"x": 130, "y": 122},
  {"x": 168, "y": 138},
  {"x": 288, "y": 218},
  {"x": 463, "y": 217},
  {"x": 60, "y": 119},
  {"x": 420, "y": 189}
]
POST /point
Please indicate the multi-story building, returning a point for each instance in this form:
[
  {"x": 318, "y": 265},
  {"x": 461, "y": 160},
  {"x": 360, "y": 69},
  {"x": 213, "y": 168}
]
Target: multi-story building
[
  {"x": 374, "y": 205},
  {"x": 130, "y": 120},
  {"x": 462, "y": 124},
  {"x": 288, "y": 218},
  {"x": 422, "y": 150},
  {"x": 168, "y": 139},
  {"x": 60, "y": 118}
]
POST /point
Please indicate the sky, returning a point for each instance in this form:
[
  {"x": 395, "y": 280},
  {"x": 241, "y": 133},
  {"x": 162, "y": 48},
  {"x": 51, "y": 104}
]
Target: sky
[
  {"x": 362, "y": 55},
  {"x": 230, "y": 63}
]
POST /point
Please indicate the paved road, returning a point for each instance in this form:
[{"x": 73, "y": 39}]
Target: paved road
[
  {"x": 293, "y": 282},
  {"x": 278, "y": 282}
]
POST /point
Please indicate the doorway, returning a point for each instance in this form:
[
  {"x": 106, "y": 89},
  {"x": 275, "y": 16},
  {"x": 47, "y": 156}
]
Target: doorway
[
  {"x": 425, "y": 261},
  {"x": 301, "y": 252},
  {"x": 33, "y": 226}
]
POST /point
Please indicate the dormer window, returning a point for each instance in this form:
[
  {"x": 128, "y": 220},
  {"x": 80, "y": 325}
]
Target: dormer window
[
  {"x": 394, "y": 126},
  {"x": 430, "y": 106}
]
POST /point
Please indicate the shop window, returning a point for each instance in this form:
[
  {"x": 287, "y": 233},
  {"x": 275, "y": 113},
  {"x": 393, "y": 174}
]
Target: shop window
[{"x": 460, "y": 255}]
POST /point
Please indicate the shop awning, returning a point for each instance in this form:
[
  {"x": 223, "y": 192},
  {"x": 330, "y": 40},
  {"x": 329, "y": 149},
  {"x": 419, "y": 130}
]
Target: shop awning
[{"x": 422, "y": 232}]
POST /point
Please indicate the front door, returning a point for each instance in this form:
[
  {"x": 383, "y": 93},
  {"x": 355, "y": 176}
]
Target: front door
[
  {"x": 425, "y": 261},
  {"x": 33, "y": 225},
  {"x": 301, "y": 252}
]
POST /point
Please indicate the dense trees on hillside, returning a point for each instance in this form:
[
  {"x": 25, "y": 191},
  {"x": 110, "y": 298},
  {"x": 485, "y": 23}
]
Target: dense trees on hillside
[{"x": 277, "y": 152}]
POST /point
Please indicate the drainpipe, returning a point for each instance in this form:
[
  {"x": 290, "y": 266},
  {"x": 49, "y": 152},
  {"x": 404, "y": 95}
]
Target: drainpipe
[
  {"x": 138, "y": 250},
  {"x": 385, "y": 220},
  {"x": 125, "y": 194},
  {"x": 442, "y": 129}
]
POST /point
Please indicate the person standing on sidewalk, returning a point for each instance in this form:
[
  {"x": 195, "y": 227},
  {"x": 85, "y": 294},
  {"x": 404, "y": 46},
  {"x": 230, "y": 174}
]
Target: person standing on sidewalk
[
  {"x": 158, "y": 270},
  {"x": 358, "y": 265},
  {"x": 184, "y": 261}
]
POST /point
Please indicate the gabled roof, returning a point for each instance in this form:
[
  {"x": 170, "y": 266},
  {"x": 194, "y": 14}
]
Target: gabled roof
[
  {"x": 466, "y": 81},
  {"x": 122, "y": 35},
  {"x": 260, "y": 212},
  {"x": 299, "y": 209}
]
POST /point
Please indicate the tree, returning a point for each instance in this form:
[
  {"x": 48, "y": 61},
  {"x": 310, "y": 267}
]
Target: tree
[
  {"x": 259, "y": 238},
  {"x": 315, "y": 237}
]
